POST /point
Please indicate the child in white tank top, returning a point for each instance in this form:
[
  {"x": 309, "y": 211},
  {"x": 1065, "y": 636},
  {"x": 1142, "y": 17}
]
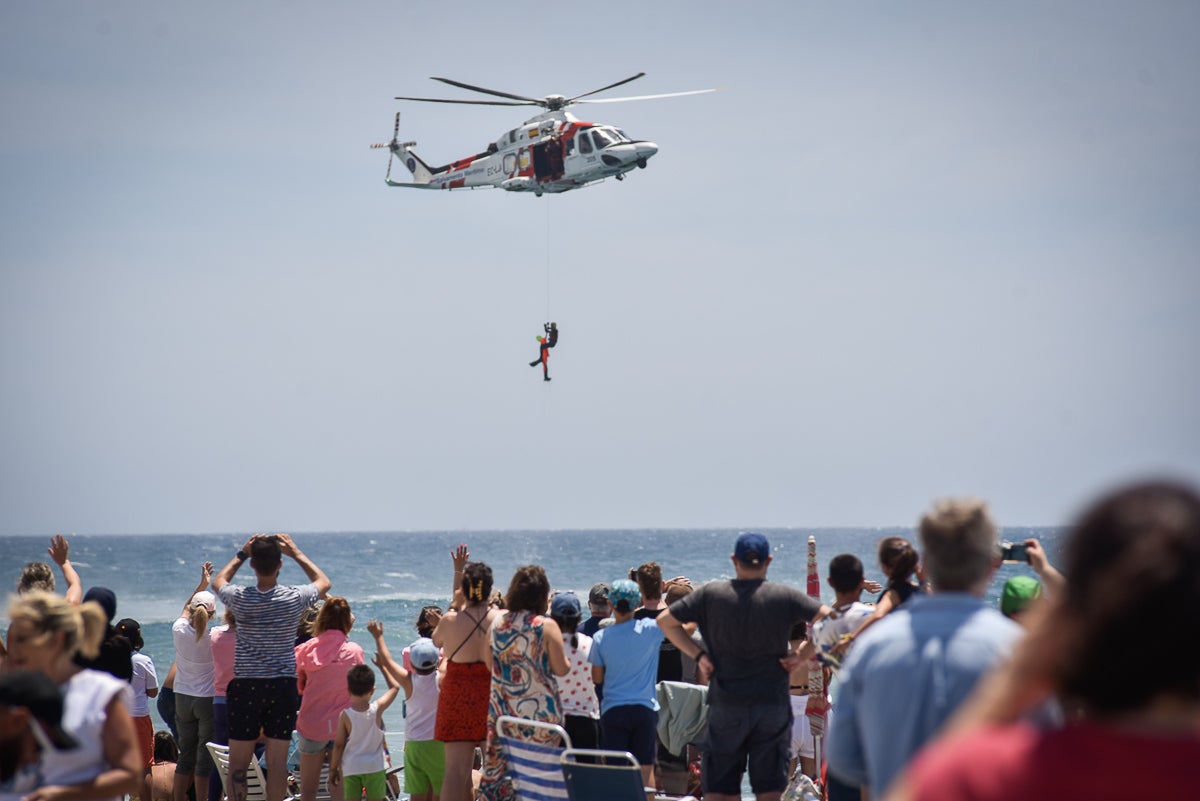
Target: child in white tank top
[{"x": 358, "y": 759}]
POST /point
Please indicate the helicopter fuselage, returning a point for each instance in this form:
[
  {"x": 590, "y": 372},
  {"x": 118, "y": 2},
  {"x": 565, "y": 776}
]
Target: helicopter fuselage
[{"x": 551, "y": 152}]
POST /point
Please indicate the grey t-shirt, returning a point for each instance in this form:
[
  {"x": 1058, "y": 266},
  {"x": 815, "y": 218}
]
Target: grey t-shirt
[{"x": 745, "y": 624}]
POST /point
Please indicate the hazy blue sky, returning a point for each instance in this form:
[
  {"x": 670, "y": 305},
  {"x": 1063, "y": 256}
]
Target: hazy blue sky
[{"x": 914, "y": 249}]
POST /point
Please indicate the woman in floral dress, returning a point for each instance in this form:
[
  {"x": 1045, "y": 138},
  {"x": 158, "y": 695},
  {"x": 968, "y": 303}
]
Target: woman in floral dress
[{"x": 526, "y": 654}]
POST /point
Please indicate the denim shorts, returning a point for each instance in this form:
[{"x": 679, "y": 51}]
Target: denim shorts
[{"x": 307, "y": 746}]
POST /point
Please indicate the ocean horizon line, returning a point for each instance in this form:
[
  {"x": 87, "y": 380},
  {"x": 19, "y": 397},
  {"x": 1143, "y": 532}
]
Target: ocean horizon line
[{"x": 501, "y": 531}]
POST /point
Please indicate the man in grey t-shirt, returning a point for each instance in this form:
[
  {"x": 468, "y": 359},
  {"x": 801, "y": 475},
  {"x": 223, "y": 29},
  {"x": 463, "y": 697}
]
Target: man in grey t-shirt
[{"x": 745, "y": 623}]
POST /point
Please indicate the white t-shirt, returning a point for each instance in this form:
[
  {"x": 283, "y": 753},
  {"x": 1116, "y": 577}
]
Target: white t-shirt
[
  {"x": 193, "y": 661},
  {"x": 86, "y": 696},
  {"x": 143, "y": 679}
]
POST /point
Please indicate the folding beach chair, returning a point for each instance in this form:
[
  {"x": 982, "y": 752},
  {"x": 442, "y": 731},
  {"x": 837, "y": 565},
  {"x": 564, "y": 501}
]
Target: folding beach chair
[
  {"x": 256, "y": 782},
  {"x": 323, "y": 793},
  {"x": 532, "y": 750},
  {"x": 604, "y": 776}
]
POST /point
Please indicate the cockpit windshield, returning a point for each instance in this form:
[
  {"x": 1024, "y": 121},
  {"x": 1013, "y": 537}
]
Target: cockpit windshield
[{"x": 603, "y": 138}]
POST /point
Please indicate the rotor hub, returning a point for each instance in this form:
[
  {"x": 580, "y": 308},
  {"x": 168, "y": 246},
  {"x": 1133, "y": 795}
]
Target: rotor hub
[{"x": 555, "y": 102}]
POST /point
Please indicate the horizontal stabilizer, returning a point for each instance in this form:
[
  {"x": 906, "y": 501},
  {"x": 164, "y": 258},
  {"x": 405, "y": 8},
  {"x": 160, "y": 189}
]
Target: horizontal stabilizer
[{"x": 411, "y": 184}]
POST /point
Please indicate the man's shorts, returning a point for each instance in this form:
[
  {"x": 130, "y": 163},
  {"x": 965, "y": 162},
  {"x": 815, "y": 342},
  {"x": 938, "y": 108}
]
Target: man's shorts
[
  {"x": 758, "y": 733},
  {"x": 374, "y": 783},
  {"x": 632, "y": 728},
  {"x": 424, "y": 766},
  {"x": 803, "y": 742},
  {"x": 266, "y": 705}
]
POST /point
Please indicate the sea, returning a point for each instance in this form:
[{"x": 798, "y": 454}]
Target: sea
[{"x": 390, "y": 576}]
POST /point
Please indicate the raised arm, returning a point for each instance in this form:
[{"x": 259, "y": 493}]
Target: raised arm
[
  {"x": 59, "y": 551},
  {"x": 459, "y": 556},
  {"x": 385, "y": 700},
  {"x": 886, "y": 604},
  {"x": 206, "y": 577},
  {"x": 314, "y": 573},
  {"x": 1054, "y": 583},
  {"x": 393, "y": 672},
  {"x": 226, "y": 574}
]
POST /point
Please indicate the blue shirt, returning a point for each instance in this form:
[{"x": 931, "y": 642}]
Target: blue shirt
[
  {"x": 905, "y": 677},
  {"x": 628, "y": 652}
]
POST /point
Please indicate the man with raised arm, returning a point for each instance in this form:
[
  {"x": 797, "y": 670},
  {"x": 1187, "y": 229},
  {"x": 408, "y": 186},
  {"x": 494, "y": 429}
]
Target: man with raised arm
[{"x": 262, "y": 695}]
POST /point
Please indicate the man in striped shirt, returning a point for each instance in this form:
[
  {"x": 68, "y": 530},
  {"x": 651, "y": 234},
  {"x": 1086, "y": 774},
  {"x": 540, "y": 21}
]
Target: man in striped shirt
[{"x": 262, "y": 696}]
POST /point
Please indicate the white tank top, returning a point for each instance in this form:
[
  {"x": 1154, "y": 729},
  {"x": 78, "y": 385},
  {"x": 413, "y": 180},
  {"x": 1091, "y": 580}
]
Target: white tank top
[
  {"x": 364, "y": 746},
  {"x": 421, "y": 709}
]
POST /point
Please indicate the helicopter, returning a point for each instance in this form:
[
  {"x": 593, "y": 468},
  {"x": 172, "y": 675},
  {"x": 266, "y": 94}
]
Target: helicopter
[{"x": 553, "y": 151}]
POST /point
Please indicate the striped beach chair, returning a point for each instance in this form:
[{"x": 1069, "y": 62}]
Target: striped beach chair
[{"x": 533, "y": 751}]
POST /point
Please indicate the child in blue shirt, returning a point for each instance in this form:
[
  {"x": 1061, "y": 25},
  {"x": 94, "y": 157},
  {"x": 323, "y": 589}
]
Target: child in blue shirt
[{"x": 625, "y": 659}]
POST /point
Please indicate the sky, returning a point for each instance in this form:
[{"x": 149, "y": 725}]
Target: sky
[{"x": 910, "y": 250}]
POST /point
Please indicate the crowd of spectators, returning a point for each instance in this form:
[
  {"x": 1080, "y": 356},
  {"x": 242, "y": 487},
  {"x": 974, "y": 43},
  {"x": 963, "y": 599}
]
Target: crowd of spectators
[{"x": 1050, "y": 694}]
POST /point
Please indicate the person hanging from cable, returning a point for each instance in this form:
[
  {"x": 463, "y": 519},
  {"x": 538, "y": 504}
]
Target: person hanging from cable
[
  {"x": 543, "y": 358},
  {"x": 544, "y": 345}
]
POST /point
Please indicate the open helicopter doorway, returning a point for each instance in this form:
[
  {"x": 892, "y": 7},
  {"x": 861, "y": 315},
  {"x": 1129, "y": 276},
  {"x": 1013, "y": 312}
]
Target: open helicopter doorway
[{"x": 548, "y": 160}]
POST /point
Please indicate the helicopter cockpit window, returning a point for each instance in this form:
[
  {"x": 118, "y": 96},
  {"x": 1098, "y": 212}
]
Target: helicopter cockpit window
[
  {"x": 622, "y": 136},
  {"x": 602, "y": 138},
  {"x": 585, "y": 144}
]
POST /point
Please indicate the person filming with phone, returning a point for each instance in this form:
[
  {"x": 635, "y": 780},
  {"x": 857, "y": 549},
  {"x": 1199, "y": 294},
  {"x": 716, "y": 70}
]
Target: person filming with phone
[{"x": 1021, "y": 592}]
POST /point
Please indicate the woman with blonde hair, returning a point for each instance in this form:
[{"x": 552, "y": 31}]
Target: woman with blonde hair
[
  {"x": 321, "y": 667},
  {"x": 45, "y": 633},
  {"x": 194, "y": 688}
]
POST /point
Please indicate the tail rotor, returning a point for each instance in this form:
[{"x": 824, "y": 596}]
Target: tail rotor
[{"x": 392, "y": 146}]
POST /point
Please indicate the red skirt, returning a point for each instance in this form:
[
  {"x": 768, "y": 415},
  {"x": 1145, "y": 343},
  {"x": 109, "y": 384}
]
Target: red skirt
[{"x": 463, "y": 703}]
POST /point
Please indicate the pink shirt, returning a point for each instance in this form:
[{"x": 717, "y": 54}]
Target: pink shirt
[
  {"x": 321, "y": 667},
  {"x": 224, "y": 642},
  {"x": 1083, "y": 760}
]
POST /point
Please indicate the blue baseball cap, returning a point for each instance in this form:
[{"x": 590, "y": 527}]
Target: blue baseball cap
[
  {"x": 752, "y": 549},
  {"x": 627, "y": 591},
  {"x": 566, "y": 605},
  {"x": 423, "y": 654}
]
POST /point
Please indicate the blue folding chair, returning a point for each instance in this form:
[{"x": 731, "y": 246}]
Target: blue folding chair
[
  {"x": 532, "y": 750},
  {"x": 594, "y": 775}
]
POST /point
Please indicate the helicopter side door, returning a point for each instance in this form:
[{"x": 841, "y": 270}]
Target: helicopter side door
[{"x": 581, "y": 156}]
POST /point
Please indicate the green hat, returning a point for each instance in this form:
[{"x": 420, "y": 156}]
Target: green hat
[{"x": 1019, "y": 592}]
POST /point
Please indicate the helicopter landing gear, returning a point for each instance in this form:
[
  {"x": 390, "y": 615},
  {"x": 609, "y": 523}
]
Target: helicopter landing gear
[
  {"x": 620, "y": 176},
  {"x": 641, "y": 164}
]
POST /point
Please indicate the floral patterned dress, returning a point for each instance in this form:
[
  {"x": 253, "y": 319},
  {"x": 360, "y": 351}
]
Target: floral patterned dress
[{"x": 522, "y": 686}]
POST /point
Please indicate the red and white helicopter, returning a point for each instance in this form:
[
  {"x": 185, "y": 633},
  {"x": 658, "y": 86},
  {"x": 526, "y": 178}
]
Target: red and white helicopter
[{"x": 552, "y": 152}]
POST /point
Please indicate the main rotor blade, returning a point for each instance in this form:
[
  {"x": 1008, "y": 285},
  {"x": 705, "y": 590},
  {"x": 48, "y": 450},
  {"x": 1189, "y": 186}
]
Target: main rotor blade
[
  {"x": 606, "y": 88},
  {"x": 467, "y": 102},
  {"x": 649, "y": 97},
  {"x": 461, "y": 85}
]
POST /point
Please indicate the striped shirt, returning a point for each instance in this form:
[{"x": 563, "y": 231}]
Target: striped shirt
[{"x": 266, "y": 627}]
